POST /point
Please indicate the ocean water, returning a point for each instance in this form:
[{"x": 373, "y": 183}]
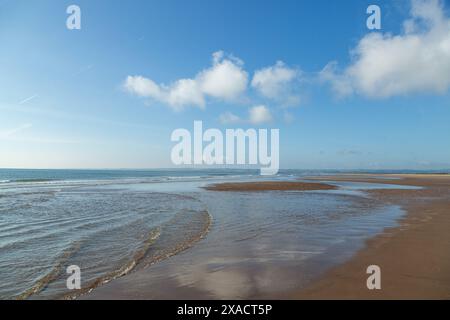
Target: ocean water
[{"x": 112, "y": 223}]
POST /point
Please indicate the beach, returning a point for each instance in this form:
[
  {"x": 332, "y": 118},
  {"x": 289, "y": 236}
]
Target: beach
[
  {"x": 223, "y": 235},
  {"x": 413, "y": 255}
]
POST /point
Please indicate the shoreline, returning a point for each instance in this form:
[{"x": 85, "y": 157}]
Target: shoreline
[{"x": 414, "y": 257}]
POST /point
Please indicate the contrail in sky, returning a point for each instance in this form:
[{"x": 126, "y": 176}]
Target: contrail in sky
[{"x": 28, "y": 99}]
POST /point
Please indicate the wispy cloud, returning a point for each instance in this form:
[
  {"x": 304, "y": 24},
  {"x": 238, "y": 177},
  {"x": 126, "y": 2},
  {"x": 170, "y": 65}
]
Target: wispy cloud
[
  {"x": 256, "y": 115},
  {"x": 229, "y": 118},
  {"x": 58, "y": 114},
  {"x": 28, "y": 99},
  {"x": 42, "y": 140},
  {"x": 14, "y": 131}
]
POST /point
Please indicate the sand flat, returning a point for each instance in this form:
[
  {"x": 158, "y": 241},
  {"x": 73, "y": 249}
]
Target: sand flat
[{"x": 269, "y": 186}]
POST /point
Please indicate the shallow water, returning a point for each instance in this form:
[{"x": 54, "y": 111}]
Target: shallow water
[
  {"x": 111, "y": 227},
  {"x": 103, "y": 232},
  {"x": 261, "y": 245}
]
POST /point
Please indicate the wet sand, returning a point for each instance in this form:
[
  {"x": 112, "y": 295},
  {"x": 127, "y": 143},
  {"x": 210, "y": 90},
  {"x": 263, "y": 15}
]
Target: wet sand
[
  {"x": 270, "y": 186},
  {"x": 414, "y": 257}
]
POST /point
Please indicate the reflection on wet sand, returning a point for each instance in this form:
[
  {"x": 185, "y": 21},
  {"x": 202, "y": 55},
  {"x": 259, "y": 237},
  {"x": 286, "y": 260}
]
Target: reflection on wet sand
[{"x": 261, "y": 245}]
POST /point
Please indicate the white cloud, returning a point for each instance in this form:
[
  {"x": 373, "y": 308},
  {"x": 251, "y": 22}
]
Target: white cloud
[
  {"x": 185, "y": 92},
  {"x": 143, "y": 87},
  {"x": 278, "y": 82},
  {"x": 340, "y": 83},
  {"x": 385, "y": 65},
  {"x": 229, "y": 118},
  {"x": 259, "y": 114},
  {"x": 225, "y": 80},
  {"x": 182, "y": 93}
]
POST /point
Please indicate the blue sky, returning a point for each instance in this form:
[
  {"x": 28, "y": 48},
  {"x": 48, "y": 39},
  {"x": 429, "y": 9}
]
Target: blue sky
[{"x": 343, "y": 96}]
